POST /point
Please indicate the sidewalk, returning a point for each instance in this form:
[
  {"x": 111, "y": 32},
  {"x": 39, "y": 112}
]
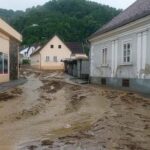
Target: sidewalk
[{"x": 12, "y": 84}]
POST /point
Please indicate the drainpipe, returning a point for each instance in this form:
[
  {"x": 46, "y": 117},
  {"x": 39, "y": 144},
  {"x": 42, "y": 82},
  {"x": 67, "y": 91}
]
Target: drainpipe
[
  {"x": 89, "y": 59},
  {"x": 40, "y": 61},
  {"x": 80, "y": 67},
  {"x": 18, "y": 62}
]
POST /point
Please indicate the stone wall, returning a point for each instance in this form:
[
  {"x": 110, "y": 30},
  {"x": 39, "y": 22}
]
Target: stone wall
[{"x": 14, "y": 66}]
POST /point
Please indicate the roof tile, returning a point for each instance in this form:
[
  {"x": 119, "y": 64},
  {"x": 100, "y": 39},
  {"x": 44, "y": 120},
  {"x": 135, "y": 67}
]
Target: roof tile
[{"x": 138, "y": 10}]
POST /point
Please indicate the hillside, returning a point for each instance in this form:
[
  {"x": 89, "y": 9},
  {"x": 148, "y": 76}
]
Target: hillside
[
  {"x": 72, "y": 20},
  {"x": 10, "y": 15}
]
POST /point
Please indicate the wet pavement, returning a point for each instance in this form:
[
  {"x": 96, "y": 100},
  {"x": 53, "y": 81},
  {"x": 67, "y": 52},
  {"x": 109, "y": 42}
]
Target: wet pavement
[{"x": 12, "y": 84}]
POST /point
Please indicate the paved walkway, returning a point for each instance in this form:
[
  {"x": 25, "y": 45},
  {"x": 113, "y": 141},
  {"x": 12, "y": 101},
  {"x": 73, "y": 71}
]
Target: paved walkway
[{"x": 12, "y": 84}]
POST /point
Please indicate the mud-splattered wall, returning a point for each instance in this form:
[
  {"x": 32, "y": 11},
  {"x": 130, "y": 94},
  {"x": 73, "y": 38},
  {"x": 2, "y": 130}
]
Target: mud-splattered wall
[{"x": 14, "y": 49}]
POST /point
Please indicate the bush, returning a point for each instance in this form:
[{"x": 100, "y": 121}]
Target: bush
[{"x": 25, "y": 61}]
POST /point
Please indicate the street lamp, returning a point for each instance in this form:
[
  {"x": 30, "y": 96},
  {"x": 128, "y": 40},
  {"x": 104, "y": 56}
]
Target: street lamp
[{"x": 30, "y": 26}]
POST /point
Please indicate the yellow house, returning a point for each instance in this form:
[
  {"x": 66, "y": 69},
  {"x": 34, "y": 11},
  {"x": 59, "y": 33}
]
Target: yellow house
[
  {"x": 9, "y": 47},
  {"x": 50, "y": 56}
]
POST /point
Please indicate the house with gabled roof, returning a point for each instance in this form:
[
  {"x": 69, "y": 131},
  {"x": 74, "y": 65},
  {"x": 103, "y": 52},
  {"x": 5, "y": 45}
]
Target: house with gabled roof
[
  {"x": 51, "y": 55},
  {"x": 9, "y": 52},
  {"x": 120, "y": 50}
]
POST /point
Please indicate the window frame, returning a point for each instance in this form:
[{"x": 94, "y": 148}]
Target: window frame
[
  {"x": 4, "y": 55},
  {"x": 104, "y": 56},
  {"x": 2, "y": 71},
  {"x": 55, "y": 59},
  {"x": 7, "y": 69},
  {"x": 59, "y": 46},
  {"x": 126, "y": 56},
  {"x": 126, "y": 83},
  {"x": 47, "y": 59},
  {"x": 51, "y": 46}
]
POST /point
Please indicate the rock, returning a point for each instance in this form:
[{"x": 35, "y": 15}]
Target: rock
[
  {"x": 32, "y": 147},
  {"x": 46, "y": 142},
  {"x": 52, "y": 87},
  {"x": 67, "y": 126}
]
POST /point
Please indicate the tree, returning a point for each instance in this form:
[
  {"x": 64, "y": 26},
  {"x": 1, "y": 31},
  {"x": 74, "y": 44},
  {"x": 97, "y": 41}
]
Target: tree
[{"x": 72, "y": 20}]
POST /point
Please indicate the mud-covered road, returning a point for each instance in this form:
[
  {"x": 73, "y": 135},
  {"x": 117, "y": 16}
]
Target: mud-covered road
[{"x": 50, "y": 112}]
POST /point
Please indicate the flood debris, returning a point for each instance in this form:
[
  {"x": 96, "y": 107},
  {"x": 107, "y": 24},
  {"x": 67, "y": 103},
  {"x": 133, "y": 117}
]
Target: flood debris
[
  {"x": 46, "y": 142},
  {"x": 72, "y": 116},
  {"x": 32, "y": 147},
  {"x": 46, "y": 98},
  {"x": 6, "y": 96},
  {"x": 17, "y": 91},
  {"x": 75, "y": 102},
  {"x": 26, "y": 113},
  {"x": 11, "y": 94},
  {"x": 52, "y": 86}
]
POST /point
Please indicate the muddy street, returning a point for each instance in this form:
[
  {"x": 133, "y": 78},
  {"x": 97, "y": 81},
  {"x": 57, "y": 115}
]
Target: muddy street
[{"x": 50, "y": 112}]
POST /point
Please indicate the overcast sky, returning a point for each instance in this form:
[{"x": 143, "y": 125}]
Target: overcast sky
[{"x": 23, "y": 4}]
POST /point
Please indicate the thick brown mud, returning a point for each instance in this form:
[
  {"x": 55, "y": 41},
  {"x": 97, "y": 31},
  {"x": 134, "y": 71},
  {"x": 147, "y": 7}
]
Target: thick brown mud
[{"x": 50, "y": 112}]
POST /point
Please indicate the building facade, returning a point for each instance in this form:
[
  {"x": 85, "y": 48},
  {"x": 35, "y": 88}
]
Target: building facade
[
  {"x": 9, "y": 52},
  {"x": 77, "y": 67},
  {"x": 49, "y": 57},
  {"x": 26, "y": 52},
  {"x": 120, "y": 51},
  {"x": 52, "y": 54}
]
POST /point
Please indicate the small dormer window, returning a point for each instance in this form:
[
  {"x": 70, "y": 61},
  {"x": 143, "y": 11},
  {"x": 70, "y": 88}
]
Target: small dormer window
[
  {"x": 59, "y": 46},
  {"x": 52, "y": 46}
]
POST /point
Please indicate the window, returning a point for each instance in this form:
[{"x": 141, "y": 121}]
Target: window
[
  {"x": 103, "y": 81},
  {"x": 47, "y": 58},
  {"x": 52, "y": 46},
  {"x": 127, "y": 53},
  {"x": 104, "y": 56},
  {"x": 3, "y": 63},
  {"x": 55, "y": 58},
  {"x": 59, "y": 46},
  {"x": 126, "y": 83}
]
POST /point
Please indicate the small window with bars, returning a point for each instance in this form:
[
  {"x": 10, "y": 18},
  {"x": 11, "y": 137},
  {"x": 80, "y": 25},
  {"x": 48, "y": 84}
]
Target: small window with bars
[
  {"x": 125, "y": 83},
  {"x": 103, "y": 81}
]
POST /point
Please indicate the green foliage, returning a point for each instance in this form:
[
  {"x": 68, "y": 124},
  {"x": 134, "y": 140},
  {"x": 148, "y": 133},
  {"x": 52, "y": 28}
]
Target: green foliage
[
  {"x": 25, "y": 62},
  {"x": 10, "y": 15},
  {"x": 72, "y": 20}
]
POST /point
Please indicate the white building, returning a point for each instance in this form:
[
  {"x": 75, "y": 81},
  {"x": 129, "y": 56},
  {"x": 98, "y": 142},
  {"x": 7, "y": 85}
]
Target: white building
[
  {"x": 27, "y": 52},
  {"x": 120, "y": 51}
]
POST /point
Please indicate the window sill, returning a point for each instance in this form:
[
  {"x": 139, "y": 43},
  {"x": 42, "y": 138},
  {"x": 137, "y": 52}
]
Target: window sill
[
  {"x": 104, "y": 65},
  {"x": 126, "y": 64},
  {"x": 4, "y": 74}
]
